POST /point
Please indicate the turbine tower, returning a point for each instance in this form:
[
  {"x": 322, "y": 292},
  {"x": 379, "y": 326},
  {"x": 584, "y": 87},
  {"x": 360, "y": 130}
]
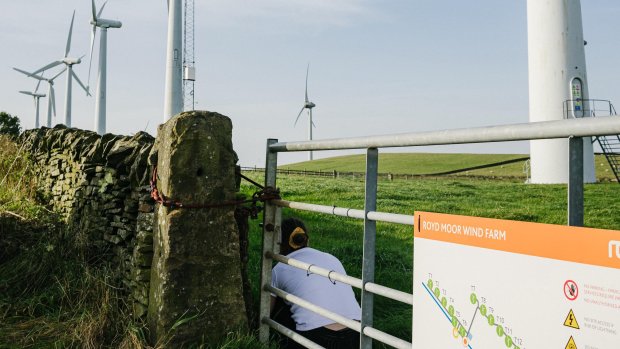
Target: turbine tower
[
  {"x": 173, "y": 96},
  {"x": 189, "y": 69},
  {"x": 69, "y": 62},
  {"x": 307, "y": 105},
  {"x": 100, "y": 100},
  {"x": 557, "y": 78},
  {"x": 36, "y": 96},
  {"x": 51, "y": 101}
]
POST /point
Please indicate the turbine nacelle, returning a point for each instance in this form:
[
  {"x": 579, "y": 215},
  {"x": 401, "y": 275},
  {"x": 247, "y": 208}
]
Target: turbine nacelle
[
  {"x": 106, "y": 23},
  {"x": 71, "y": 61},
  {"x": 309, "y": 105}
]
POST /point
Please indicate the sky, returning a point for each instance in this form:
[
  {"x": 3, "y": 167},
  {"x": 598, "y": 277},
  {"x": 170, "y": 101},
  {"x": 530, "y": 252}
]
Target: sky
[{"x": 376, "y": 67}]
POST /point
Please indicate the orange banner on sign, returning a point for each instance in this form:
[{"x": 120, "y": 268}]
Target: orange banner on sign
[{"x": 574, "y": 244}]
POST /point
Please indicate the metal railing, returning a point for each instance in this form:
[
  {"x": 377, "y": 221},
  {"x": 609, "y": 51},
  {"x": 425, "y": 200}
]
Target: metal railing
[
  {"x": 590, "y": 107},
  {"x": 388, "y": 175},
  {"x": 573, "y": 129}
]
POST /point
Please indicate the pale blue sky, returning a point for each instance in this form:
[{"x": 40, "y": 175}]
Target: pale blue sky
[{"x": 377, "y": 67}]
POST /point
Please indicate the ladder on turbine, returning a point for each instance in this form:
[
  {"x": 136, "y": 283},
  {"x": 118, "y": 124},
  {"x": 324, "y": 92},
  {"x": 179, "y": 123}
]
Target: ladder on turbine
[
  {"x": 611, "y": 149},
  {"x": 610, "y": 145}
]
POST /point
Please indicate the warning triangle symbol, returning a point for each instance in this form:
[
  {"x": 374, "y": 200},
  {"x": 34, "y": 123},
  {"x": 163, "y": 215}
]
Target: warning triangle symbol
[
  {"x": 571, "y": 320},
  {"x": 571, "y": 344}
]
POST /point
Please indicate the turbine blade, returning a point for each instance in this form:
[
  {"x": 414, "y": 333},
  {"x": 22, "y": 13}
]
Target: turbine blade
[
  {"x": 94, "y": 8},
  {"x": 101, "y": 9},
  {"x": 22, "y": 71},
  {"x": 38, "y": 84},
  {"x": 298, "y": 115},
  {"x": 57, "y": 75},
  {"x": 49, "y": 66},
  {"x": 26, "y": 93},
  {"x": 92, "y": 46},
  {"x": 32, "y": 75},
  {"x": 80, "y": 82},
  {"x": 307, "y": 71},
  {"x": 68, "y": 48}
]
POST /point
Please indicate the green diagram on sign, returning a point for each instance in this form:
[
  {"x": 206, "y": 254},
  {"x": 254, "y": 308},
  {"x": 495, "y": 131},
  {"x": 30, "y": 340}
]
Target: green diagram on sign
[{"x": 461, "y": 330}]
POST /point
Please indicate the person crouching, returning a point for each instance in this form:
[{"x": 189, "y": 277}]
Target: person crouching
[{"x": 321, "y": 291}]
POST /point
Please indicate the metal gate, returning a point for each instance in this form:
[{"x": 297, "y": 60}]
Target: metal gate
[{"x": 572, "y": 129}]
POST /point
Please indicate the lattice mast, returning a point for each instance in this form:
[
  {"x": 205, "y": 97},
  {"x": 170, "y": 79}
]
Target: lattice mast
[{"x": 189, "y": 70}]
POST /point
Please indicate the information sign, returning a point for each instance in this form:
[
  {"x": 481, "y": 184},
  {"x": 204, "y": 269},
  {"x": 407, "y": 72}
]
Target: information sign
[{"x": 486, "y": 283}]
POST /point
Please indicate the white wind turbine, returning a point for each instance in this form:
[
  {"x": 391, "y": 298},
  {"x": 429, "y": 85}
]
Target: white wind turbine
[
  {"x": 307, "y": 105},
  {"x": 100, "y": 100},
  {"x": 173, "y": 99},
  {"x": 36, "y": 96},
  {"x": 51, "y": 101},
  {"x": 68, "y": 62}
]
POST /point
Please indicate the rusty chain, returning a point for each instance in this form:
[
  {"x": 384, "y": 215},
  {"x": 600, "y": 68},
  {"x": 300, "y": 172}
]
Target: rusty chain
[{"x": 262, "y": 195}]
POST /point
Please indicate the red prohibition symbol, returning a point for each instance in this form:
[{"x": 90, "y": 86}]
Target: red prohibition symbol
[{"x": 571, "y": 291}]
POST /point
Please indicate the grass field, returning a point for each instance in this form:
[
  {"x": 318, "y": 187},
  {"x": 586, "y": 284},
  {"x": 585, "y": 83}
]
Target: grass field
[
  {"x": 431, "y": 163},
  {"x": 53, "y": 295},
  {"x": 478, "y": 197}
]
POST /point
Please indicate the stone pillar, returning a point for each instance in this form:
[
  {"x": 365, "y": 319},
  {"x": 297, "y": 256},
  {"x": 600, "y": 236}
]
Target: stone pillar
[{"x": 196, "y": 291}]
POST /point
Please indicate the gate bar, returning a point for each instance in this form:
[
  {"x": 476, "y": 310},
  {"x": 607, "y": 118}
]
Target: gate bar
[
  {"x": 582, "y": 127},
  {"x": 270, "y": 222},
  {"x": 352, "y": 324},
  {"x": 347, "y": 212},
  {"x": 311, "y": 268},
  {"x": 292, "y": 334},
  {"x": 345, "y": 279},
  {"x": 370, "y": 235}
]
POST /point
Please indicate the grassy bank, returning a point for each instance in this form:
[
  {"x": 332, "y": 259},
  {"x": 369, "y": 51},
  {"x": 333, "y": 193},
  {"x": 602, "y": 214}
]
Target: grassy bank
[
  {"x": 52, "y": 294},
  {"x": 495, "y": 199}
]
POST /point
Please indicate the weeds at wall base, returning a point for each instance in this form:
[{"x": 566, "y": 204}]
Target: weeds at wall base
[{"x": 56, "y": 291}]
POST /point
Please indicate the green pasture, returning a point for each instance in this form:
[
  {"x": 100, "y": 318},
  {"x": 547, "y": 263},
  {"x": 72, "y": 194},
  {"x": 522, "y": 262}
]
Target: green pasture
[
  {"x": 432, "y": 163},
  {"x": 504, "y": 199}
]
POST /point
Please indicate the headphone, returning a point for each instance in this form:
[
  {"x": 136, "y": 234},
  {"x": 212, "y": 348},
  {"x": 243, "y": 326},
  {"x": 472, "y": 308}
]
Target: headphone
[{"x": 297, "y": 232}]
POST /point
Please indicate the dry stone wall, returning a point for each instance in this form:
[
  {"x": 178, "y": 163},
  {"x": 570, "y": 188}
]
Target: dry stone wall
[
  {"x": 100, "y": 186},
  {"x": 171, "y": 262}
]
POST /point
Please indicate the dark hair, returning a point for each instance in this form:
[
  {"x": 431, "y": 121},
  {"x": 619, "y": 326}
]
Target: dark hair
[{"x": 298, "y": 240}]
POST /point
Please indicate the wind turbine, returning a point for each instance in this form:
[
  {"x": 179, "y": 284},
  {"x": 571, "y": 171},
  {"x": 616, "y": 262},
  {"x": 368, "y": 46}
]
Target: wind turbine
[
  {"x": 173, "y": 100},
  {"x": 307, "y": 105},
  {"x": 69, "y": 62},
  {"x": 51, "y": 101},
  {"x": 36, "y": 96},
  {"x": 100, "y": 100}
]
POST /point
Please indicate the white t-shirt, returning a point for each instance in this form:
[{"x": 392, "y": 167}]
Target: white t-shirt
[{"x": 316, "y": 289}]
